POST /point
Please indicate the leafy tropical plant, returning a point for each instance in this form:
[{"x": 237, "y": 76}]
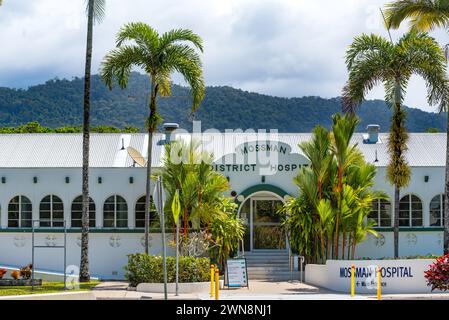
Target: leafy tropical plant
[
  {"x": 335, "y": 195},
  {"x": 227, "y": 231},
  {"x": 95, "y": 10},
  {"x": 143, "y": 268},
  {"x": 139, "y": 45},
  {"x": 438, "y": 274},
  {"x": 426, "y": 15},
  {"x": 188, "y": 169},
  {"x": 372, "y": 60},
  {"x": 346, "y": 155}
]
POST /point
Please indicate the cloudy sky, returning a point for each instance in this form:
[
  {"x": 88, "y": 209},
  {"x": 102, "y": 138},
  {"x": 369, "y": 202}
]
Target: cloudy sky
[{"x": 286, "y": 48}]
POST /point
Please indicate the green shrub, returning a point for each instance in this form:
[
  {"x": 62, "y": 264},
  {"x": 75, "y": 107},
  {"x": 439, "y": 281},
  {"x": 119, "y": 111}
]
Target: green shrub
[{"x": 143, "y": 268}]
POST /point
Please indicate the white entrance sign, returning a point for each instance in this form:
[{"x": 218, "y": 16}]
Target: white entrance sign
[
  {"x": 398, "y": 276},
  {"x": 237, "y": 273}
]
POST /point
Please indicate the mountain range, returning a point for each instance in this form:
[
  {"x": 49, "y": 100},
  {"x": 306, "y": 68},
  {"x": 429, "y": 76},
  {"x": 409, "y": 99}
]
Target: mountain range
[{"x": 59, "y": 102}]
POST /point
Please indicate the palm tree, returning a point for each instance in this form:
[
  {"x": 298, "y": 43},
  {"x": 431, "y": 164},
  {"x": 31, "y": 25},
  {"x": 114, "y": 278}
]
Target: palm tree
[
  {"x": 425, "y": 15},
  {"x": 346, "y": 155},
  {"x": 311, "y": 218},
  {"x": 201, "y": 188},
  {"x": 95, "y": 13},
  {"x": 373, "y": 60},
  {"x": 139, "y": 45}
]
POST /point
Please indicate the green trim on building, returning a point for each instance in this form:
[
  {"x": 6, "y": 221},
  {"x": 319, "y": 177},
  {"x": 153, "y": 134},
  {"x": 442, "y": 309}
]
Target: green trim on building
[
  {"x": 77, "y": 230},
  {"x": 260, "y": 188},
  {"x": 408, "y": 229}
]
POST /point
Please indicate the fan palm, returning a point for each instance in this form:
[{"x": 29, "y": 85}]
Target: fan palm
[
  {"x": 373, "y": 60},
  {"x": 139, "y": 45},
  {"x": 95, "y": 10},
  {"x": 425, "y": 15}
]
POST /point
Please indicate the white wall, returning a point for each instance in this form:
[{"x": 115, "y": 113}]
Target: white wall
[
  {"x": 107, "y": 251},
  {"x": 408, "y": 280},
  {"x": 105, "y": 259},
  {"x": 52, "y": 182}
]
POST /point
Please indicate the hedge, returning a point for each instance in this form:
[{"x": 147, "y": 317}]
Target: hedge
[{"x": 143, "y": 268}]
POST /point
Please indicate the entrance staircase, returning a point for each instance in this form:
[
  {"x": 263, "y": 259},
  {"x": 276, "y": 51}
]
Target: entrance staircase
[{"x": 269, "y": 265}]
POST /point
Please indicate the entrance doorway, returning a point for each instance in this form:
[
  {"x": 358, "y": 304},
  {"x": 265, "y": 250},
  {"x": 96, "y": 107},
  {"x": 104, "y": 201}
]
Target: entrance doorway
[{"x": 263, "y": 225}]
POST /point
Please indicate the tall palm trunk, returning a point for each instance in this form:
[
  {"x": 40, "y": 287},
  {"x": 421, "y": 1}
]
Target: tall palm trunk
[
  {"x": 338, "y": 217},
  {"x": 397, "y": 190},
  {"x": 446, "y": 198},
  {"x": 396, "y": 221},
  {"x": 84, "y": 264},
  {"x": 152, "y": 125}
]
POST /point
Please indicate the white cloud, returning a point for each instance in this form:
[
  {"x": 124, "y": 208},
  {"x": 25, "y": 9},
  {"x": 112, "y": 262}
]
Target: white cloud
[{"x": 278, "y": 47}]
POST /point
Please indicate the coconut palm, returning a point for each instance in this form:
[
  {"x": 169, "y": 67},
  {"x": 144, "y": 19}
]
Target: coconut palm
[
  {"x": 425, "y": 15},
  {"x": 373, "y": 60},
  {"x": 139, "y": 45},
  {"x": 95, "y": 12}
]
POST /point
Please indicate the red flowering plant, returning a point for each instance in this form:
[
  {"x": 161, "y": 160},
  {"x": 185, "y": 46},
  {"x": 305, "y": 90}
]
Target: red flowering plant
[{"x": 438, "y": 275}]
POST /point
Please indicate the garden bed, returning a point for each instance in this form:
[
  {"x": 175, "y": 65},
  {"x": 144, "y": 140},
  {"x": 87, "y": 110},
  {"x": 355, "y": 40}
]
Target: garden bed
[{"x": 20, "y": 283}]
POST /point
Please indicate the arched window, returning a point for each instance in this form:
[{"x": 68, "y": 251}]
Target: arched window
[
  {"x": 381, "y": 213},
  {"x": 437, "y": 211},
  {"x": 115, "y": 213},
  {"x": 51, "y": 212},
  {"x": 20, "y": 212},
  {"x": 77, "y": 213},
  {"x": 410, "y": 212},
  {"x": 140, "y": 214}
]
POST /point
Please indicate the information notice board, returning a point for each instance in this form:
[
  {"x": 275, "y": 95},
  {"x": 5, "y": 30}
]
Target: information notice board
[{"x": 236, "y": 273}]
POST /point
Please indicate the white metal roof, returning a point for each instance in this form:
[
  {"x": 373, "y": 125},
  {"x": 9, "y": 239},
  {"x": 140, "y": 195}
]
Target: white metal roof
[{"x": 65, "y": 150}]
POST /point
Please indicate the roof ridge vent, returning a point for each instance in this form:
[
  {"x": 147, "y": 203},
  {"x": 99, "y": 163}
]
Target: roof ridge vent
[
  {"x": 373, "y": 134},
  {"x": 169, "y": 129}
]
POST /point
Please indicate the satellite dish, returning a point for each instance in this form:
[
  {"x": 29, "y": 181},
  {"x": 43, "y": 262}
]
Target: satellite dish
[{"x": 137, "y": 157}]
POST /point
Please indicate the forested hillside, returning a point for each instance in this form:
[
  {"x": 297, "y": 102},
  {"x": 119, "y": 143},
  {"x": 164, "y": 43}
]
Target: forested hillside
[{"x": 58, "y": 103}]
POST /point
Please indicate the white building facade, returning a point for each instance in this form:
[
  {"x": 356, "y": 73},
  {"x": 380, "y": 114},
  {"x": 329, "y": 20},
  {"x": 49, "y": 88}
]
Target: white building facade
[{"x": 40, "y": 180}]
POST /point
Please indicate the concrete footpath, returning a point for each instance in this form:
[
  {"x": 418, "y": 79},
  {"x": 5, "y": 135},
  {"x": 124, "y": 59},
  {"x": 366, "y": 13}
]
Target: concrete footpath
[{"x": 258, "y": 290}]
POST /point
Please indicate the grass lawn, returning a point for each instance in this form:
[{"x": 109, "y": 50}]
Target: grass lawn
[{"x": 47, "y": 287}]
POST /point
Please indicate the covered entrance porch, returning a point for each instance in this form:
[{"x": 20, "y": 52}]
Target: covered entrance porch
[
  {"x": 259, "y": 211},
  {"x": 265, "y": 246}
]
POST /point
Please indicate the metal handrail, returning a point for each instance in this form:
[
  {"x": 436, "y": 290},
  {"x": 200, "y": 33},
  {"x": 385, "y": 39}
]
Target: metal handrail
[{"x": 301, "y": 268}]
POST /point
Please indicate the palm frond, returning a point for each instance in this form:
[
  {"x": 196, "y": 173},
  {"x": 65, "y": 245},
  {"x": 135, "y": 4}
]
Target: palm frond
[
  {"x": 117, "y": 65},
  {"x": 143, "y": 35},
  {"x": 98, "y": 8},
  {"x": 178, "y": 35},
  {"x": 423, "y": 14},
  {"x": 187, "y": 62},
  {"x": 368, "y": 62}
]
